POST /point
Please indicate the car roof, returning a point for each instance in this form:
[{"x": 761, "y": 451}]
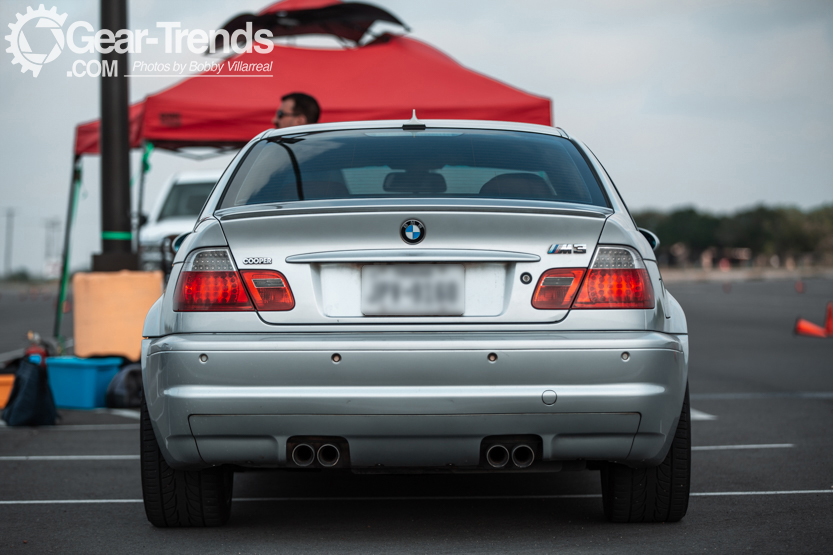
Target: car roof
[{"x": 429, "y": 124}]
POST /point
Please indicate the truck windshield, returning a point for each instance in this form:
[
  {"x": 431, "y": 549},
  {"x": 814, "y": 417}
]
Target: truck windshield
[
  {"x": 396, "y": 163},
  {"x": 185, "y": 200}
]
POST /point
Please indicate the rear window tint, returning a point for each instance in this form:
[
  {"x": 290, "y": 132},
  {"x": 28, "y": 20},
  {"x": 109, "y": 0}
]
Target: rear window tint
[{"x": 392, "y": 163}]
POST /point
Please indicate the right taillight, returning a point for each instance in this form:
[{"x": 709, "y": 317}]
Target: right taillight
[
  {"x": 209, "y": 283},
  {"x": 617, "y": 279}
]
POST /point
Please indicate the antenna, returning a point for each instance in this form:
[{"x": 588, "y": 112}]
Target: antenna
[{"x": 413, "y": 124}]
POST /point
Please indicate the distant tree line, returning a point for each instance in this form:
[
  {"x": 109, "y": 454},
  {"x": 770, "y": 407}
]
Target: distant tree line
[{"x": 757, "y": 236}]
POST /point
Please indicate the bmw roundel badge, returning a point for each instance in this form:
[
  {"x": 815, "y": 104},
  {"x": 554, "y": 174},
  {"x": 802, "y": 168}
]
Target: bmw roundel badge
[{"x": 412, "y": 231}]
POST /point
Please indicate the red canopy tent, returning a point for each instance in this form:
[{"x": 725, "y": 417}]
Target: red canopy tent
[{"x": 385, "y": 79}]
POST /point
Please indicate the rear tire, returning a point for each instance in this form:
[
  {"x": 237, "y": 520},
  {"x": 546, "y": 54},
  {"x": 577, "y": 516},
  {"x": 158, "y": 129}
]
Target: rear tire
[
  {"x": 181, "y": 498},
  {"x": 656, "y": 494}
]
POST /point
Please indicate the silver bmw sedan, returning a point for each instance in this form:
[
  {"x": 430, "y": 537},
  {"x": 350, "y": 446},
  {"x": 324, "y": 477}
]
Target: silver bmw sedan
[{"x": 412, "y": 296}]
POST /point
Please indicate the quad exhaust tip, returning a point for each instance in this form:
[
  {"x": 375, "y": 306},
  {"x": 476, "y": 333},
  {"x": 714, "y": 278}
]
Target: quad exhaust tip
[
  {"x": 328, "y": 455},
  {"x": 523, "y": 456},
  {"x": 303, "y": 454},
  {"x": 497, "y": 456}
]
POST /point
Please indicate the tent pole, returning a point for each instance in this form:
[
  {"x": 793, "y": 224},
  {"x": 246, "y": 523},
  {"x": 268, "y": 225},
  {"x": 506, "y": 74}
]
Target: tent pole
[
  {"x": 140, "y": 200},
  {"x": 72, "y": 205}
]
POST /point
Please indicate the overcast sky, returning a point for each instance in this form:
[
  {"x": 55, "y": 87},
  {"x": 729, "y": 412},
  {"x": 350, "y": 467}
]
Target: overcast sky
[{"x": 715, "y": 104}]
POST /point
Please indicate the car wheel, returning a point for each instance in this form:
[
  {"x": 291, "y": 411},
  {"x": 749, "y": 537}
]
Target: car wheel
[
  {"x": 181, "y": 498},
  {"x": 655, "y": 494}
]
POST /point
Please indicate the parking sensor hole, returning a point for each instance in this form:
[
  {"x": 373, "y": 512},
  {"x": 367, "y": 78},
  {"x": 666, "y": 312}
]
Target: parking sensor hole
[
  {"x": 626, "y": 356},
  {"x": 203, "y": 358},
  {"x": 336, "y": 358},
  {"x": 492, "y": 357}
]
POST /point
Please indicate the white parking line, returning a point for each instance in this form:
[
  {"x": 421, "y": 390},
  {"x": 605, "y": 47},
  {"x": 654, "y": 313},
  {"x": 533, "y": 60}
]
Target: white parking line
[
  {"x": 750, "y": 446},
  {"x": 69, "y": 501},
  {"x": 700, "y": 415},
  {"x": 71, "y": 458},
  {"x": 426, "y": 498},
  {"x": 744, "y": 493}
]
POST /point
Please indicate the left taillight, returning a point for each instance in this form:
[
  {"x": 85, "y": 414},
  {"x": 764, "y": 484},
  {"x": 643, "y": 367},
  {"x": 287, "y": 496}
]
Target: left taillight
[
  {"x": 557, "y": 288},
  {"x": 209, "y": 282},
  {"x": 617, "y": 279}
]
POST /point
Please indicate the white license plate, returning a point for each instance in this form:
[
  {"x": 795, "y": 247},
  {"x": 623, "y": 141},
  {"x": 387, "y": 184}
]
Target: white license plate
[{"x": 413, "y": 289}]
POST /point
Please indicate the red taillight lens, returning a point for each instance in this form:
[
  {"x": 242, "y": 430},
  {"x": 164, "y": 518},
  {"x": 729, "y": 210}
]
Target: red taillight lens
[
  {"x": 617, "y": 279},
  {"x": 556, "y": 288},
  {"x": 209, "y": 283},
  {"x": 269, "y": 289},
  {"x": 210, "y": 291}
]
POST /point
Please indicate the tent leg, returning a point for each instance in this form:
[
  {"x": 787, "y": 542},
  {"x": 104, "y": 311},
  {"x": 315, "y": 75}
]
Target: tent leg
[
  {"x": 145, "y": 166},
  {"x": 72, "y": 205}
]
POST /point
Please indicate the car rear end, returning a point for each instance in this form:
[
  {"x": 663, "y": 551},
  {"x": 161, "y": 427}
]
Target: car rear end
[{"x": 506, "y": 316}]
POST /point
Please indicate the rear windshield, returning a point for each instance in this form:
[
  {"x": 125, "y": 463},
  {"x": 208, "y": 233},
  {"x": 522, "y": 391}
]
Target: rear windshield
[
  {"x": 185, "y": 200},
  {"x": 392, "y": 163}
]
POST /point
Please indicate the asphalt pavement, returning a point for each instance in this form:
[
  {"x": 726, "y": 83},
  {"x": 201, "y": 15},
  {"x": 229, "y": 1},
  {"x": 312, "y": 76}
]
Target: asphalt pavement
[
  {"x": 24, "y": 308},
  {"x": 762, "y": 474}
]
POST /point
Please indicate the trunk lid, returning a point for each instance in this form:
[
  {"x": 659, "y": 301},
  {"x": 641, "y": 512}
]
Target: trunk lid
[{"x": 322, "y": 247}]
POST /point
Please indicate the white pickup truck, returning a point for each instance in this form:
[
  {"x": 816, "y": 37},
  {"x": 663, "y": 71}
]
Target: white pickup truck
[{"x": 175, "y": 212}]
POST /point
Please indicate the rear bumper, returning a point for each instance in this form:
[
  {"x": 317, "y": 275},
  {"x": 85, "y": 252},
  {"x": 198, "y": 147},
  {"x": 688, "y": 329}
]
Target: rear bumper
[{"x": 413, "y": 400}]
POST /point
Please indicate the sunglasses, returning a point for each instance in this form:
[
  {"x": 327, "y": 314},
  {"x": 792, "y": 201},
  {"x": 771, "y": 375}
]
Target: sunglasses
[{"x": 282, "y": 114}]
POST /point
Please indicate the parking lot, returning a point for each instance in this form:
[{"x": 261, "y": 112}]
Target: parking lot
[{"x": 762, "y": 479}]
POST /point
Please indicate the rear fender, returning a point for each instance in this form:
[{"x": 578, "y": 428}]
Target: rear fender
[
  {"x": 207, "y": 233},
  {"x": 619, "y": 230}
]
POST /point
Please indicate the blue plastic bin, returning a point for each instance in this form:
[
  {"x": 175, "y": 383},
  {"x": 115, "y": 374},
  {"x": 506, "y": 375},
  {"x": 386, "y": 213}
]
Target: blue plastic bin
[{"x": 81, "y": 383}]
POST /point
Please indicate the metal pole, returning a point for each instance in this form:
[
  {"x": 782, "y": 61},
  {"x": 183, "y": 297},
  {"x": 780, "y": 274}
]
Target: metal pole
[
  {"x": 116, "y": 228},
  {"x": 9, "y": 240}
]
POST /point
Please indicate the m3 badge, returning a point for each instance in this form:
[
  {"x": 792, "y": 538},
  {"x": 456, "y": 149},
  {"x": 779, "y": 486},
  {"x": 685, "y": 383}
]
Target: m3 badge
[{"x": 567, "y": 248}]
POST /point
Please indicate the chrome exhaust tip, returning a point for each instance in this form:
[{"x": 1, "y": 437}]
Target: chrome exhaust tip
[
  {"x": 303, "y": 454},
  {"x": 328, "y": 455},
  {"x": 497, "y": 456},
  {"x": 523, "y": 456}
]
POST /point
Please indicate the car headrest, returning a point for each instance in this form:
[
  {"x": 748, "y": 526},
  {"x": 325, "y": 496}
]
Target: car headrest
[
  {"x": 414, "y": 182},
  {"x": 517, "y": 185}
]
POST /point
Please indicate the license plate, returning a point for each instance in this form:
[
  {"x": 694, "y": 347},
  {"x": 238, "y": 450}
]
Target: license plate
[{"x": 413, "y": 289}]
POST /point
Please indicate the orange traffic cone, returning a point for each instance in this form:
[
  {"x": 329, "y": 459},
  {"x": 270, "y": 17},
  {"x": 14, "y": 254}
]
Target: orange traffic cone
[
  {"x": 808, "y": 329},
  {"x": 828, "y": 320}
]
